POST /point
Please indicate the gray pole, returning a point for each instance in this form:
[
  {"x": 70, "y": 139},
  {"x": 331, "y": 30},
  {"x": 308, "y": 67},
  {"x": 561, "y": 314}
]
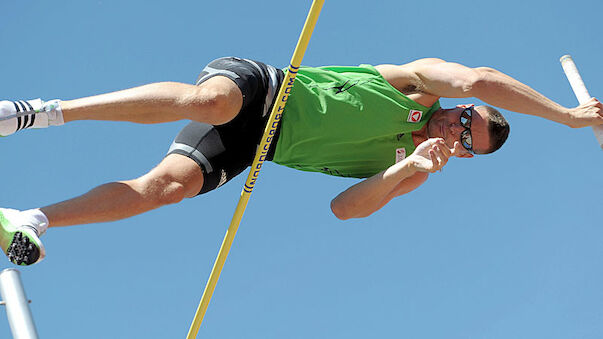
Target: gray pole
[{"x": 17, "y": 308}]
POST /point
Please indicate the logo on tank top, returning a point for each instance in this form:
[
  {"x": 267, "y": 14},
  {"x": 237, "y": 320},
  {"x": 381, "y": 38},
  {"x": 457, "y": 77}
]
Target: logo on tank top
[
  {"x": 347, "y": 85},
  {"x": 414, "y": 115},
  {"x": 400, "y": 154}
]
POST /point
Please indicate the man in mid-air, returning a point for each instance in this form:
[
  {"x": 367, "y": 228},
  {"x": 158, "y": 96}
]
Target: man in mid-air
[{"x": 382, "y": 123}]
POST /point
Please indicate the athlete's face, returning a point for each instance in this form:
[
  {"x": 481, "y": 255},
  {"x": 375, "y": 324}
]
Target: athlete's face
[{"x": 446, "y": 123}]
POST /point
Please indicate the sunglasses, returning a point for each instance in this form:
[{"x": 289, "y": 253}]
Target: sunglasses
[{"x": 466, "y": 139}]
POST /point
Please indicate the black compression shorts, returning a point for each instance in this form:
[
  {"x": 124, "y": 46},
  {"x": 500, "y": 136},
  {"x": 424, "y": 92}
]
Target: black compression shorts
[{"x": 224, "y": 151}]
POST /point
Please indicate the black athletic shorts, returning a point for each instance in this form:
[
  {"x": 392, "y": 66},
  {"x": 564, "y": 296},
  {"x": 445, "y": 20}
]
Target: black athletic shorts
[{"x": 224, "y": 151}]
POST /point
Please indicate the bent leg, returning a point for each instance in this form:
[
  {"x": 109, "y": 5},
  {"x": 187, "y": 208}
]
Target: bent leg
[
  {"x": 175, "y": 178},
  {"x": 215, "y": 101}
]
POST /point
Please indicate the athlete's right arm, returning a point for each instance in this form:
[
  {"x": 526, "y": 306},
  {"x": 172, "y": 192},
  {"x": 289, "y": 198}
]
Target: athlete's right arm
[{"x": 370, "y": 195}]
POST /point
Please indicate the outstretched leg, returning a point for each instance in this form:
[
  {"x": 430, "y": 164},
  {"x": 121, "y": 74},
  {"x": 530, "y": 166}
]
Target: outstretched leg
[
  {"x": 216, "y": 101},
  {"x": 175, "y": 178}
]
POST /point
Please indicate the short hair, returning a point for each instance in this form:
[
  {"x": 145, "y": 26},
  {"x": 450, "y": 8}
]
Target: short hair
[{"x": 498, "y": 127}]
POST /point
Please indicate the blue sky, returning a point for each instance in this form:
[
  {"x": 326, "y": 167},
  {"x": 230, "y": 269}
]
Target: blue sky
[{"x": 502, "y": 246}]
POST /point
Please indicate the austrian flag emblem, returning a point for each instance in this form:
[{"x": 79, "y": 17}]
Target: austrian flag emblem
[
  {"x": 414, "y": 115},
  {"x": 400, "y": 154}
]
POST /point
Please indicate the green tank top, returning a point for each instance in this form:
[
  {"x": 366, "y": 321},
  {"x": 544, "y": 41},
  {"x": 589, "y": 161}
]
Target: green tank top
[{"x": 347, "y": 121}]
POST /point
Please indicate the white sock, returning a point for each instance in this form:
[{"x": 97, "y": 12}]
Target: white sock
[
  {"x": 35, "y": 218},
  {"x": 24, "y": 114}
]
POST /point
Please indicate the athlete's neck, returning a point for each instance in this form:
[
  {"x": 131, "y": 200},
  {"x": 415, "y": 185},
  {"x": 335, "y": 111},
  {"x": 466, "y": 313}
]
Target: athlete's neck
[{"x": 420, "y": 135}]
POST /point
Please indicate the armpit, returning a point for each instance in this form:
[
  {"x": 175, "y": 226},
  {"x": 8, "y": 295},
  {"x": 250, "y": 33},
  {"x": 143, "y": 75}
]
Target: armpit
[{"x": 411, "y": 89}]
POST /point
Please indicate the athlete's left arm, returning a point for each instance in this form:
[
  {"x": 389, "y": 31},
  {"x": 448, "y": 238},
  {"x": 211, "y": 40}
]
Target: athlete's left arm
[
  {"x": 453, "y": 80},
  {"x": 370, "y": 195}
]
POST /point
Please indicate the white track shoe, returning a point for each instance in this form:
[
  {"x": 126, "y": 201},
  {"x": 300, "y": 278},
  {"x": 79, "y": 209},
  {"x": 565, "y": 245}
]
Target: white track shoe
[{"x": 23, "y": 114}]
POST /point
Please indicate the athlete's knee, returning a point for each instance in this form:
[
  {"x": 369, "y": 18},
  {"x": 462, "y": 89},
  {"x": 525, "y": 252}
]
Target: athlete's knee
[
  {"x": 172, "y": 192},
  {"x": 175, "y": 178},
  {"x": 161, "y": 190},
  {"x": 216, "y": 101},
  {"x": 215, "y": 107}
]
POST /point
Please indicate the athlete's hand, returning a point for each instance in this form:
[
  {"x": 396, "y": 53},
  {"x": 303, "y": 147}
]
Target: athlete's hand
[
  {"x": 588, "y": 114},
  {"x": 432, "y": 155}
]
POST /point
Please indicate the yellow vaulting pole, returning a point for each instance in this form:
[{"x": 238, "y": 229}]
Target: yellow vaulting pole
[{"x": 258, "y": 161}]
